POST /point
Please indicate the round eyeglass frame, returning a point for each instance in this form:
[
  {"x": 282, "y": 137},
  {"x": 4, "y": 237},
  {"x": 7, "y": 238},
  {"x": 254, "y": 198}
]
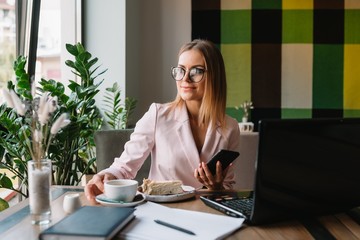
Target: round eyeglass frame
[{"x": 188, "y": 72}]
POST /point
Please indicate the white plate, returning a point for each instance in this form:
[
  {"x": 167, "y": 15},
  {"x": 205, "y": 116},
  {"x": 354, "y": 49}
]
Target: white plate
[
  {"x": 189, "y": 192},
  {"x": 139, "y": 198}
]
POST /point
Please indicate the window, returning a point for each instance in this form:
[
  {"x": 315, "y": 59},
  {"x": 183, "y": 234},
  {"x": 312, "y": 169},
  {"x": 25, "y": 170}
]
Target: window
[
  {"x": 59, "y": 24},
  {"x": 7, "y": 40},
  {"x": 48, "y": 64}
]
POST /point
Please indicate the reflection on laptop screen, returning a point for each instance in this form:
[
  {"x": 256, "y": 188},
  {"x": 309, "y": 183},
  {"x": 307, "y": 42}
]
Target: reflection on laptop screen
[{"x": 306, "y": 167}]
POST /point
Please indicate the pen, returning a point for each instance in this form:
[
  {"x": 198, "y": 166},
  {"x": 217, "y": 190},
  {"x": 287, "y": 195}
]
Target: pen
[{"x": 174, "y": 227}]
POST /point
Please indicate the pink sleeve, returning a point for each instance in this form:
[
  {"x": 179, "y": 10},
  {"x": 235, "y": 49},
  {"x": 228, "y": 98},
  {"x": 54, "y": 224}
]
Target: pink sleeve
[{"x": 137, "y": 149}]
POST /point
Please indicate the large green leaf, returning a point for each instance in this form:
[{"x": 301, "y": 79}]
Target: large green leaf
[{"x": 5, "y": 181}]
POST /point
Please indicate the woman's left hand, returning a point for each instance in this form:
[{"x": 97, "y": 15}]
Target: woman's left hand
[{"x": 204, "y": 176}]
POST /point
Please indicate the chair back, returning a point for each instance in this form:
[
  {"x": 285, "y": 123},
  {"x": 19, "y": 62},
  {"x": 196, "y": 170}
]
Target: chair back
[
  {"x": 110, "y": 144},
  {"x": 245, "y": 164}
]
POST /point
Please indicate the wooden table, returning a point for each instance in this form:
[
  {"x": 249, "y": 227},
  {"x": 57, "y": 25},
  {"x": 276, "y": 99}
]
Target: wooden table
[{"x": 15, "y": 222}]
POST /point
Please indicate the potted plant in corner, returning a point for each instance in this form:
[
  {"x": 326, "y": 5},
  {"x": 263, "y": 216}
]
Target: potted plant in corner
[
  {"x": 72, "y": 149},
  {"x": 245, "y": 125}
]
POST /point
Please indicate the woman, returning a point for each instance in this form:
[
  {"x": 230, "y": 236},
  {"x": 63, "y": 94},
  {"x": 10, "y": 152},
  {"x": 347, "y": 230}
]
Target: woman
[{"x": 183, "y": 135}]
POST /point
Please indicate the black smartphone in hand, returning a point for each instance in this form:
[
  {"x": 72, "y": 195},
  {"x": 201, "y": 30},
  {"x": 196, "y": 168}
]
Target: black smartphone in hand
[{"x": 225, "y": 157}]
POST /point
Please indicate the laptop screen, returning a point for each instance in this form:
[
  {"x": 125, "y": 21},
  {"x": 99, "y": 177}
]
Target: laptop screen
[{"x": 306, "y": 167}]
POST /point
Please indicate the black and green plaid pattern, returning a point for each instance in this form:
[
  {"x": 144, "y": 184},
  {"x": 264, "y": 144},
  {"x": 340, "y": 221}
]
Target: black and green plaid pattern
[{"x": 292, "y": 58}]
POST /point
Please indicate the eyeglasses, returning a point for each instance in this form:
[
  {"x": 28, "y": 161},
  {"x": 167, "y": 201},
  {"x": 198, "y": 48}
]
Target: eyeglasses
[{"x": 196, "y": 74}]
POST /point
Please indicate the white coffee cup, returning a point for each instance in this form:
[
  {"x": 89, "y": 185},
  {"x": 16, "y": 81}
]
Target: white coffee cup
[
  {"x": 71, "y": 202},
  {"x": 121, "y": 189}
]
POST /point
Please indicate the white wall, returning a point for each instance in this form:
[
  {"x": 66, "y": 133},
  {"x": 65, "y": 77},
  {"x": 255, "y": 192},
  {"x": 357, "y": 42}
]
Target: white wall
[
  {"x": 103, "y": 28},
  {"x": 138, "y": 41},
  {"x": 70, "y": 33}
]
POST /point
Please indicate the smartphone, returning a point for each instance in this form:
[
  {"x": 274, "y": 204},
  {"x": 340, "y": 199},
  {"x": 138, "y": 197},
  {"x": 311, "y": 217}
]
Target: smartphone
[{"x": 225, "y": 157}]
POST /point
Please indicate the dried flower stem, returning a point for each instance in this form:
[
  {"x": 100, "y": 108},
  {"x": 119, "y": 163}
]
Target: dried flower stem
[
  {"x": 245, "y": 106},
  {"x": 41, "y": 136},
  {"x": 28, "y": 143}
]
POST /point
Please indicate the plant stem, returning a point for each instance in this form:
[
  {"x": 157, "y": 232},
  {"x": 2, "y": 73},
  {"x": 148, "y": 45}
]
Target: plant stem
[{"x": 28, "y": 143}]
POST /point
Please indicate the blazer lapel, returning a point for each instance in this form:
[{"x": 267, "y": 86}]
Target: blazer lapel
[
  {"x": 212, "y": 140},
  {"x": 185, "y": 136}
]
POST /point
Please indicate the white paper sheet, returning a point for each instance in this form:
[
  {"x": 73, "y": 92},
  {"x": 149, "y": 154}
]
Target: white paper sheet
[{"x": 204, "y": 225}]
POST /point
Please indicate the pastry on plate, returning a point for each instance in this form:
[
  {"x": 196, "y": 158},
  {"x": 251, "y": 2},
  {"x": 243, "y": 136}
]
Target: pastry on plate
[{"x": 151, "y": 187}]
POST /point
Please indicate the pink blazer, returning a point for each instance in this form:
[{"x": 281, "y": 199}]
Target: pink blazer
[{"x": 167, "y": 136}]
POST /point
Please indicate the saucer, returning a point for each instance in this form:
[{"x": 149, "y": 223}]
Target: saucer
[{"x": 103, "y": 200}]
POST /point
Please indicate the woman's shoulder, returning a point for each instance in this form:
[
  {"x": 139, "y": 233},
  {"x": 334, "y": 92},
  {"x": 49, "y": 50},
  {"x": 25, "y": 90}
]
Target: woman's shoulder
[
  {"x": 231, "y": 121},
  {"x": 169, "y": 112},
  {"x": 160, "y": 107}
]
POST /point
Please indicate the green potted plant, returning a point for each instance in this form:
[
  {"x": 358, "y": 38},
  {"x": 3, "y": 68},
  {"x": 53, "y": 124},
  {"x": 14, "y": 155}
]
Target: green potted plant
[
  {"x": 245, "y": 125},
  {"x": 245, "y": 108},
  {"x": 72, "y": 150},
  {"x": 117, "y": 114},
  {"x": 117, "y": 117}
]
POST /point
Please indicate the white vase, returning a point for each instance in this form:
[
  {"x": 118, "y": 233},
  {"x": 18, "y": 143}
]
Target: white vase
[
  {"x": 39, "y": 191},
  {"x": 246, "y": 126}
]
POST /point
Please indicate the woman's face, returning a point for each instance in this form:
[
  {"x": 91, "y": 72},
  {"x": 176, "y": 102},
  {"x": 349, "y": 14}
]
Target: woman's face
[{"x": 188, "y": 90}]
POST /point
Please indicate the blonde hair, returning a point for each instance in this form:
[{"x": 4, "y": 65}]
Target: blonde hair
[{"x": 212, "y": 109}]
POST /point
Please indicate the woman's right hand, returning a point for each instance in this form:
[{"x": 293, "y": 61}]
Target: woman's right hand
[
  {"x": 205, "y": 177},
  {"x": 96, "y": 185}
]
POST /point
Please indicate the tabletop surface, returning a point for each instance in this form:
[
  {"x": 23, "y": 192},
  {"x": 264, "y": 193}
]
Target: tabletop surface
[{"x": 15, "y": 221}]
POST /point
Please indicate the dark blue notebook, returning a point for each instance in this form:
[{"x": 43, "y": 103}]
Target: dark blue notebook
[{"x": 90, "y": 222}]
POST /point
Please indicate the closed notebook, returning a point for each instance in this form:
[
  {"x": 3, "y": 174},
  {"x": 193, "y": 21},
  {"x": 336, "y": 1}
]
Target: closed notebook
[{"x": 90, "y": 222}]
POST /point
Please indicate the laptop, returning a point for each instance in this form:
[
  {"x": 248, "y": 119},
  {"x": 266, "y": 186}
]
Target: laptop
[{"x": 304, "y": 168}]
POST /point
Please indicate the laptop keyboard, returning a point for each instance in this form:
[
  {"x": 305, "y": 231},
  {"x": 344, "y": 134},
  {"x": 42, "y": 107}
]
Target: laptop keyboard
[{"x": 243, "y": 205}]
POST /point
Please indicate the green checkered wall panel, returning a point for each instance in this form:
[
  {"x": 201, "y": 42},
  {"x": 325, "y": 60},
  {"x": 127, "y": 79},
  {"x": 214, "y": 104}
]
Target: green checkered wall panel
[{"x": 291, "y": 58}]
